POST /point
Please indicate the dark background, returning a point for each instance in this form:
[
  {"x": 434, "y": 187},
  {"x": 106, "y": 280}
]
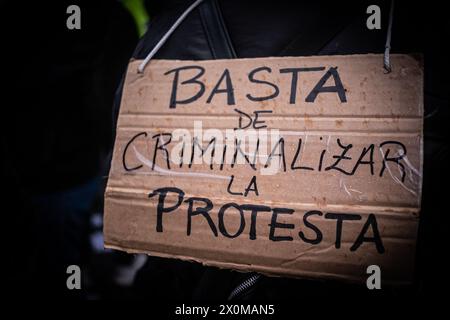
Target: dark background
[{"x": 61, "y": 90}]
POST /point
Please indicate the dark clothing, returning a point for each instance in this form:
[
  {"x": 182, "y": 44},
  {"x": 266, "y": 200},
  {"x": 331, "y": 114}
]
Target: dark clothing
[
  {"x": 58, "y": 123},
  {"x": 62, "y": 85},
  {"x": 295, "y": 28},
  {"x": 56, "y": 132}
]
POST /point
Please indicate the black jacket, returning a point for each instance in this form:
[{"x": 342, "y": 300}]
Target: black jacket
[{"x": 245, "y": 29}]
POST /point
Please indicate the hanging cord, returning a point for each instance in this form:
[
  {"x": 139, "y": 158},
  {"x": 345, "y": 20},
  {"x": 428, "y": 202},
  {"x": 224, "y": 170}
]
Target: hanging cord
[
  {"x": 387, "y": 47},
  {"x": 167, "y": 35}
]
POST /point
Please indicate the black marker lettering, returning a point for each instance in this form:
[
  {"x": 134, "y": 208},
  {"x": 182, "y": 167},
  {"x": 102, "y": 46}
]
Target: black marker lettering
[
  {"x": 126, "y": 149},
  {"x": 162, "y": 148},
  {"x": 274, "y": 224},
  {"x": 294, "y": 78},
  {"x": 160, "y": 208},
  {"x": 371, "y": 222},
  {"x": 360, "y": 161},
  {"x": 341, "y": 157},
  {"x": 229, "y": 90},
  {"x": 252, "y": 187},
  {"x": 396, "y": 160},
  {"x": 319, "y": 88},
  {"x": 249, "y": 118},
  {"x": 229, "y": 188},
  {"x": 256, "y": 121},
  {"x": 311, "y": 226},
  {"x": 297, "y": 152},
  {"x": 222, "y": 228},
  {"x": 204, "y": 211},
  {"x": 254, "y": 212},
  {"x": 280, "y": 144},
  {"x": 340, "y": 217},
  {"x": 251, "y": 77},
  {"x": 194, "y": 80}
]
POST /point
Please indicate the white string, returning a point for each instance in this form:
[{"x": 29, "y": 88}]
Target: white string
[
  {"x": 387, "y": 47},
  {"x": 167, "y": 35}
]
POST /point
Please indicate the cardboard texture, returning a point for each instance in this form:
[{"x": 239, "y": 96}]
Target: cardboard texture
[{"x": 321, "y": 179}]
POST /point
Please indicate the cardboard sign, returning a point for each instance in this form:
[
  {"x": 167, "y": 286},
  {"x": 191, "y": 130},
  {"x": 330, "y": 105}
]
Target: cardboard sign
[{"x": 300, "y": 166}]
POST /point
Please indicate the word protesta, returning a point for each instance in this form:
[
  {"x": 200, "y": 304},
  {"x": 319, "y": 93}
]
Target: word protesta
[{"x": 198, "y": 206}]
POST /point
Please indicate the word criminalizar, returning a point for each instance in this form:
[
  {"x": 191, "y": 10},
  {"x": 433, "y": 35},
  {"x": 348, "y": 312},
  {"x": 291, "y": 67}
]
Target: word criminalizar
[{"x": 217, "y": 155}]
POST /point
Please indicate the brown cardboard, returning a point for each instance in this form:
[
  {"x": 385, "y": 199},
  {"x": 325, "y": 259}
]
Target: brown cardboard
[{"x": 379, "y": 114}]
